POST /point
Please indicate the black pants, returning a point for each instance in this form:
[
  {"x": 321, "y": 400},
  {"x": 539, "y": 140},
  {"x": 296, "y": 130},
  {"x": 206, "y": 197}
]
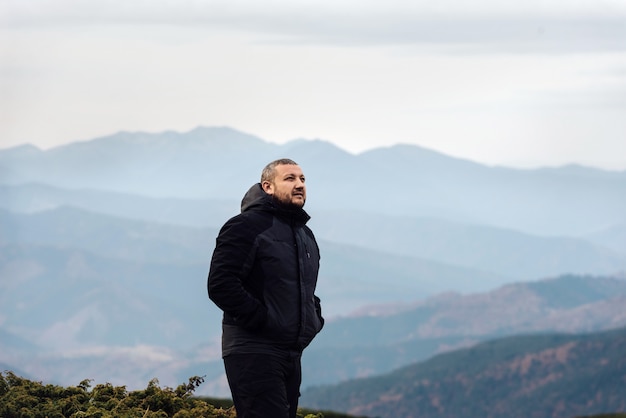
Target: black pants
[{"x": 263, "y": 385}]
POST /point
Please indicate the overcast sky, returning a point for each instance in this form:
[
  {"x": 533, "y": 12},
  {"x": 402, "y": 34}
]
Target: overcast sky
[{"x": 525, "y": 84}]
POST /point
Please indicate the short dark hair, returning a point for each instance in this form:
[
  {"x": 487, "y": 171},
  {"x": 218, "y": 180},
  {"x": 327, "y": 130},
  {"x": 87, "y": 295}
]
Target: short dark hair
[{"x": 269, "y": 172}]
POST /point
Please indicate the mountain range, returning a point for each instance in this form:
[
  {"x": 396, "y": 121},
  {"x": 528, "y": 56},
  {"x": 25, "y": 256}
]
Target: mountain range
[
  {"x": 541, "y": 376},
  {"x": 388, "y": 337},
  {"x": 105, "y": 246},
  {"x": 221, "y": 163}
]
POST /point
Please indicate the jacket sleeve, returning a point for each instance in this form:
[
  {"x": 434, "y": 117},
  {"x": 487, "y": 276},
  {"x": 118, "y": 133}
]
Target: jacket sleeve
[{"x": 230, "y": 265}]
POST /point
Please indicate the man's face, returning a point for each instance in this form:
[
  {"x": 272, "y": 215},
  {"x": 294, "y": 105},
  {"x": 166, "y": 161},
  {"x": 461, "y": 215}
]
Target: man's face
[{"x": 288, "y": 185}]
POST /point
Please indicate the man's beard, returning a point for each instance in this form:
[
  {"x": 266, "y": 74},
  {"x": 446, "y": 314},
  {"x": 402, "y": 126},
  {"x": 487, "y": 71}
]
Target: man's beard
[{"x": 287, "y": 203}]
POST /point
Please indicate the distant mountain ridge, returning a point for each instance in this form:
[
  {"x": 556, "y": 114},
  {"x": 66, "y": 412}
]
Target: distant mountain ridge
[
  {"x": 508, "y": 254},
  {"x": 38, "y": 197},
  {"x": 167, "y": 164},
  {"x": 221, "y": 163},
  {"x": 498, "y": 250}
]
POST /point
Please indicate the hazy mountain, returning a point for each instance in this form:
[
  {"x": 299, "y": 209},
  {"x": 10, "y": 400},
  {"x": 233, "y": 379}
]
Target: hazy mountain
[
  {"x": 501, "y": 251},
  {"x": 613, "y": 238},
  {"x": 353, "y": 273},
  {"x": 199, "y": 163},
  {"x": 31, "y": 198},
  {"x": 109, "y": 236},
  {"x": 504, "y": 254},
  {"x": 220, "y": 163},
  {"x": 67, "y": 298},
  {"x": 410, "y": 333},
  {"x": 13, "y": 345},
  {"x": 543, "y": 201},
  {"x": 350, "y": 277},
  {"x": 526, "y": 307},
  {"x": 543, "y": 376}
]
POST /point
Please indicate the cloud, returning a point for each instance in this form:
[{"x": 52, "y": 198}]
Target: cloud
[
  {"x": 477, "y": 35},
  {"x": 477, "y": 26}
]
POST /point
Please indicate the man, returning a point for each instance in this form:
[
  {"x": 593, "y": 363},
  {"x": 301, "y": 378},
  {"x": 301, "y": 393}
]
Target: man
[{"x": 263, "y": 276}]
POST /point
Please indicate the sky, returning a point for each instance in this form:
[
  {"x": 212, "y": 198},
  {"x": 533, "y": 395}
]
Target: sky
[{"x": 501, "y": 82}]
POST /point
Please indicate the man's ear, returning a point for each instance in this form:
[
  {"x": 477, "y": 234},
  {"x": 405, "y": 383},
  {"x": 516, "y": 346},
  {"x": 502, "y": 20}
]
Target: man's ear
[{"x": 267, "y": 187}]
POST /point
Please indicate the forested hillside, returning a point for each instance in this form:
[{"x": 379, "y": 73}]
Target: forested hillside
[{"x": 541, "y": 376}]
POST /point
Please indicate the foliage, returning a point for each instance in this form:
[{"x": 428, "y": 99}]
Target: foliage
[{"x": 23, "y": 398}]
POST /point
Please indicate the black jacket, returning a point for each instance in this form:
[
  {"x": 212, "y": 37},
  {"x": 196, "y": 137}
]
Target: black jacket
[{"x": 263, "y": 276}]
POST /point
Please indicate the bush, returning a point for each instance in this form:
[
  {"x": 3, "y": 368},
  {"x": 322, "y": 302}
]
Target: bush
[{"x": 23, "y": 398}]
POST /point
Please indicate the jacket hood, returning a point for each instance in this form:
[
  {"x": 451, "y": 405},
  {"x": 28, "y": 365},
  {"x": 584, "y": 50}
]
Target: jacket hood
[
  {"x": 255, "y": 196},
  {"x": 256, "y": 199}
]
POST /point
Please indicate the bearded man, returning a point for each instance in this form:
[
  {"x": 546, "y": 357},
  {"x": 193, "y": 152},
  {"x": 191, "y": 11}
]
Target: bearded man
[{"x": 263, "y": 276}]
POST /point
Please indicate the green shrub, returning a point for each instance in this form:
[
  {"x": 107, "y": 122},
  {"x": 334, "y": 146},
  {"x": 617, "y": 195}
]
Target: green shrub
[{"x": 23, "y": 398}]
